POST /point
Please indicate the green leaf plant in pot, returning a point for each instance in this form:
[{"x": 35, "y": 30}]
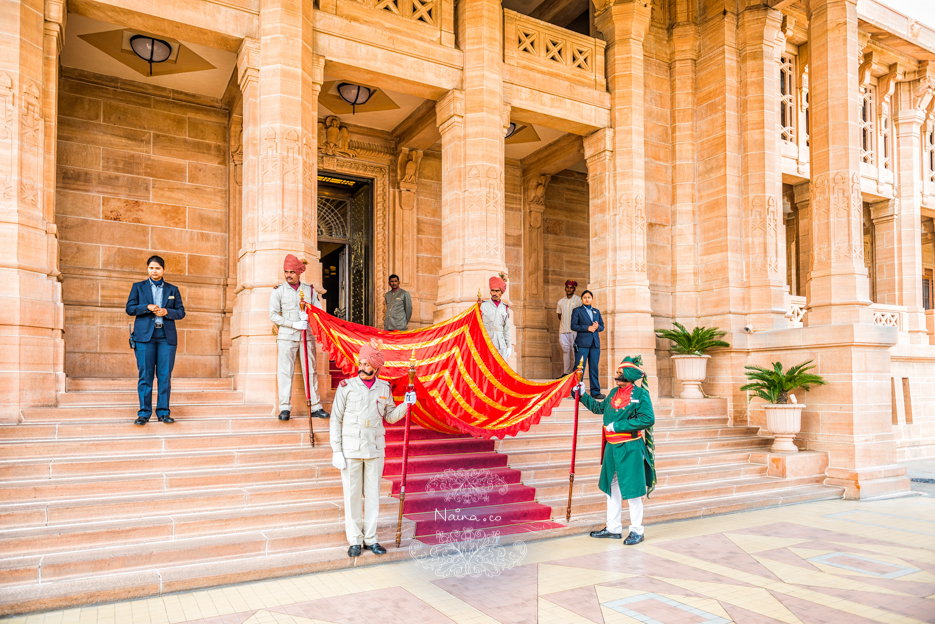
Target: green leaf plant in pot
[
  {"x": 689, "y": 349},
  {"x": 783, "y": 414}
]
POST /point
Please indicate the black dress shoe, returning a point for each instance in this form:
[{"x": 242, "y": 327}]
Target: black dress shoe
[
  {"x": 354, "y": 551},
  {"x": 605, "y": 533},
  {"x": 320, "y": 414},
  {"x": 375, "y": 548},
  {"x": 632, "y": 539},
  {"x": 141, "y": 421},
  {"x": 166, "y": 419},
  {"x": 599, "y": 396},
  {"x": 284, "y": 415}
]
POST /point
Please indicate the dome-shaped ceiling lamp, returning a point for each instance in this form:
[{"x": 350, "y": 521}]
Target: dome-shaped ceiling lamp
[
  {"x": 355, "y": 95},
  {"x": 510, "y": 131},
  {"x": 150, "y": 49}
]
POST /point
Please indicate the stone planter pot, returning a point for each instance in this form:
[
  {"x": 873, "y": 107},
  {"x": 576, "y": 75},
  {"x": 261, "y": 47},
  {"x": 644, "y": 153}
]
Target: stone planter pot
[
  {"x": 691, "y": 371},
  {"x": 784, "y": 422}
]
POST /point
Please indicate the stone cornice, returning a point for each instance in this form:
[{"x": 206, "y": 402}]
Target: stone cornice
[{"x": 248, "y": 62}]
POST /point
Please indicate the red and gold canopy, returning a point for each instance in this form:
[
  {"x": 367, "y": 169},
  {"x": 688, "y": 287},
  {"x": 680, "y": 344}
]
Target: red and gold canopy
[{"x": 462, "y": 383}]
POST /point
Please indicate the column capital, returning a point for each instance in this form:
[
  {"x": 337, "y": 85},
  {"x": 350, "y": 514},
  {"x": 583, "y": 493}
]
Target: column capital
[
  {"x": 883, "y": 211},
  {"x": 686, "y": 42},
  {"x": 55, "y": 12},
  {"x": 816, "y": 5},
  {"x": 536, "y": 184},
  {"x": 598, "y": 142},
  {"x": 760, "y": 26},
  {"x": 450, "y": 109},
  {"x": 317, "y": 70},
  {"x": 248, "y": 62},
  {"x": 622, "y": 19},
  {"x": 909, "y": 121}
]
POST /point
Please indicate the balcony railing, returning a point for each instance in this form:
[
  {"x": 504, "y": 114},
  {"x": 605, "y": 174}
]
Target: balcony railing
[
  {"x": 542, "y": 47},
  {"x": 889, "y": 315},
  {"x": 431, "y": 19},
  {"x": 796, "y": 313}
]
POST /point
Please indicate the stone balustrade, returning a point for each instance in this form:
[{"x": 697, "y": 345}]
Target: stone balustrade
[
  {"x": 889, "y": 315},
  {"x": 540, "y": 46},
  {"x": 796, "y": 313},
  {"x": 424, "y": 18}
]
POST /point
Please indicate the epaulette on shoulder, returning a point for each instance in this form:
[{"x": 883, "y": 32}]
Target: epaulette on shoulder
[{"x": 343, "y": 383}]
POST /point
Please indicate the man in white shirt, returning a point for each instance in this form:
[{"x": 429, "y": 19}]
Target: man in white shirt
[
  {"x": 566, "y": 337},
  {"x": 496, "y": 317},
  {"x": 291, "y": 322}
]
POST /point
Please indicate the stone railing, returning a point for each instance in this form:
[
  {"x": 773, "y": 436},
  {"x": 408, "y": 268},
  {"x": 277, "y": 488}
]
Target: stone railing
[
  {"x": 433, "y": 19},
  {"x": 796, "y": 314},
  {"x": 540, "y": 46},
  {"x": 889, "y": 315}
]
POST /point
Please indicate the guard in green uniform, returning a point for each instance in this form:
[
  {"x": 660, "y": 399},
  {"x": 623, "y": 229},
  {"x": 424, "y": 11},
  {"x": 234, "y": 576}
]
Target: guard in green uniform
[{"x": 629, "y": 468}]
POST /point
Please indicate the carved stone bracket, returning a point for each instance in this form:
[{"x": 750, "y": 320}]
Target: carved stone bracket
[{"x": 248, "y": 62}]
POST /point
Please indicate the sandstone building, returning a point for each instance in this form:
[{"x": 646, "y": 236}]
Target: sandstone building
[{"x": 767, "y": 164}]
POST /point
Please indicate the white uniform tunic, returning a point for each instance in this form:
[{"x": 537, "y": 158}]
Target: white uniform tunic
[
  {"x": 497, "y": 323},
  {"x": 357, "y": 431},
  {"x": 284, "y": 312}
]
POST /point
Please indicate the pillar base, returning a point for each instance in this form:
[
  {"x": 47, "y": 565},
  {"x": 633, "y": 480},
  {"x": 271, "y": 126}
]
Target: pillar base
[
  {"x": 867, "y": 483},
  {"x": 793, "y": 465}
]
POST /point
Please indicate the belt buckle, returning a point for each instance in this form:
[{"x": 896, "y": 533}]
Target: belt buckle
[{"x": 367, "y": 423}]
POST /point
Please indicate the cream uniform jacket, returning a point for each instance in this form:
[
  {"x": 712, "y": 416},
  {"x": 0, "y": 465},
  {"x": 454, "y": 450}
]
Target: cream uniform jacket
[
  {"x": 497, "y": 323},
  {"x": 357, "y": 418},
  {"x": 284, "y": 309}
]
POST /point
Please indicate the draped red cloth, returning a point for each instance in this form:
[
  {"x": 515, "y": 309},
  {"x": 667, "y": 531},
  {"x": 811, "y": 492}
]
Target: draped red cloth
[{"x": 462, "y": 383}]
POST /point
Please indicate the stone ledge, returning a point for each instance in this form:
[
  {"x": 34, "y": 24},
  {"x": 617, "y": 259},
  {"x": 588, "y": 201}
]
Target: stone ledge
[{"x": 793, "y": 465}]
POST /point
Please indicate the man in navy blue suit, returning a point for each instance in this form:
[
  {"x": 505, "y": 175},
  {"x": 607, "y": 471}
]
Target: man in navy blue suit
[
  {"x": 157, "y": 305},
  {"x": 587, "y": 321}
]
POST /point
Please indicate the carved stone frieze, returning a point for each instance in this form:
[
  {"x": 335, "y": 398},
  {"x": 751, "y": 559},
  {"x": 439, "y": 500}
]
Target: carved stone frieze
[{"x": 631, "y": 214}]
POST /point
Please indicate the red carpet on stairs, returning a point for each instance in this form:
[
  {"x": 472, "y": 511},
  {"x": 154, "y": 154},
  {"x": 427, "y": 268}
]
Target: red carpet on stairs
[{"x": 481, "y": 492}]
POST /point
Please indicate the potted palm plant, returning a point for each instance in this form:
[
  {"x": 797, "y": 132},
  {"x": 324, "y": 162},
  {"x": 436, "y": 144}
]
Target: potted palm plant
[
  {"x": 691, "y": 363},
  {"x": 773, "y": 385}
]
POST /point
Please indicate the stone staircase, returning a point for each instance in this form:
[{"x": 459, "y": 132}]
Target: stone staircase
[{"x": 94, "y": 508}]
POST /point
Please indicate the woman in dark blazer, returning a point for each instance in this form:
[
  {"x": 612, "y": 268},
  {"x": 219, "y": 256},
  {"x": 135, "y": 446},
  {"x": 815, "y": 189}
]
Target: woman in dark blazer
[
  {"x": 157, "y": 305},
  {"x": 587, "y": 321}
]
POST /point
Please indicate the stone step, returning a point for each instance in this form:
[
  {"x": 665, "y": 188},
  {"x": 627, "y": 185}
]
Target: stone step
[
  {"x": 592, "y": 436},
  {"x": 122, "y": 397},
  {"x": 116, "y": 384},
  {"x": 179, "y": 412},
  {"x": 545, "y": 474},
  {"x": 71, "y": 430}
]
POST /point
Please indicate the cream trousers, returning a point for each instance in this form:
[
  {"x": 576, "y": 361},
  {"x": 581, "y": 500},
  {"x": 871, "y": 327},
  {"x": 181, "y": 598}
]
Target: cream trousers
[
  {"x": 361, "y": 480},
  {"x": 285, "y": 372},
  {"x": 615, "y": 508}
]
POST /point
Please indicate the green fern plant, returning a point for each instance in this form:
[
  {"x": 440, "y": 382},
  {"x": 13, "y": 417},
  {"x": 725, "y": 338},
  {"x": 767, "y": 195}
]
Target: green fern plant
[
  {"x": 773, "y": 385},
  {"x": 694, "y": 342}
]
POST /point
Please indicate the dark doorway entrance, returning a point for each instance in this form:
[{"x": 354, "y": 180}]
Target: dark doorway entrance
[{"x": 345, "y": 244}]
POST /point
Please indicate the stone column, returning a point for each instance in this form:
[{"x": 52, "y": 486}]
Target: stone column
[
  {"x": 280, "y": 78},
  {"x": 885, "y": 216},
  {"x": 536, "y": 350},
  {"x": 618, "y": 279},
  {"x": 31, "y": 367},
  {"x": 404, "y": 222},
  {"x": 908, "y": 129},
  {"x": 472, "y": 127},
  {"x": 804, "y": 235},
  {"x": 762, "y": 171},
  {"x": 839, "y": 290}
]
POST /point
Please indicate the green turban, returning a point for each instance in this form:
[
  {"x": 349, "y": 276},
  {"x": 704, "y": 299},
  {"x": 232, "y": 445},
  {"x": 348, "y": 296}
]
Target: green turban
[{"x": 630, "y": 369}]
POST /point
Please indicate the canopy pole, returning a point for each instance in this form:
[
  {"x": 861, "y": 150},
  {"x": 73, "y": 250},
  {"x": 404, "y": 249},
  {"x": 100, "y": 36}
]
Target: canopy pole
[
  {"x": 579, "y": 373},
  {"x": 402, "y": 485},
  {"x": 303, "y": 306}
]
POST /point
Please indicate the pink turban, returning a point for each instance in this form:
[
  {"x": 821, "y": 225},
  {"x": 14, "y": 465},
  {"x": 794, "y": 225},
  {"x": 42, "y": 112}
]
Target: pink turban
[
  {"x": 293, "y": 264},
  {"x": 497, "y": 283},
  {"x": 372, "y": 356}
]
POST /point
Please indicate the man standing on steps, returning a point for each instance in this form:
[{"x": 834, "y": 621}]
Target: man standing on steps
[
  {"x": 290, "y": 322},
  {"x": 157, "y": 305},
  {"x": 398, "y": 307},
  {"x": 629, "y": 468},
  {"x": 358, "y": 441},
  {"x": 566, "y": 337},
  {"x": 496, "y": 317}
]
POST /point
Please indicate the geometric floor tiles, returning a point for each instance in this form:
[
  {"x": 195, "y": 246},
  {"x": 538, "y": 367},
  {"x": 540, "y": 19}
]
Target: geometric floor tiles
[{"x": 829, "y": 562}]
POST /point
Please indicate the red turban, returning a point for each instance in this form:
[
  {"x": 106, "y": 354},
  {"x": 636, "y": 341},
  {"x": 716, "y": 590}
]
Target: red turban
[
  {"x": 372, "y": 356},
  {"x": 571, "y": 283},
  {"x": 293, "y": 264},
  {"x": 498, "y": 284}
]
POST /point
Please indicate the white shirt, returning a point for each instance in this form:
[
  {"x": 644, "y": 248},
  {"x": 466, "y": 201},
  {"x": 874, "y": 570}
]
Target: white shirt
[{"x": 565, "y": 307}]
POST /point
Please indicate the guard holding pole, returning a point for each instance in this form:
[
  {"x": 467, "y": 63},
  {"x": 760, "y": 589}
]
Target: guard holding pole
[{"x": 628, "y": 468}]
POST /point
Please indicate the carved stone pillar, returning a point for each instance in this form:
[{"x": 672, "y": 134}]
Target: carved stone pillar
[
  {"x": 404, "y": 222},
  {"x": 804, "y": 237},
  {"x": 234, "y": 233},
  {"x": 31, "y": 367},
  {"x": 885, "y": 216},
  {"x": 839, "y": 288},
  {"x": 536, "y": 348},
  {"x": 619, "y": 279},
  {"x": 473, "y": 215},
  {"x": 280, "y": 139},
  {"x": 762, "y": 172}
]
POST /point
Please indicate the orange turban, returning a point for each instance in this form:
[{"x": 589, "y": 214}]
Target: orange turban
[
  {"x": 498, "y": 284},
  {"x": 293, "y": 264},
  {"x": 371, "y": 356}
]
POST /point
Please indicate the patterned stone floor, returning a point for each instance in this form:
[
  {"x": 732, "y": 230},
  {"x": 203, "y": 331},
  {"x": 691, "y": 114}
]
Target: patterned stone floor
[{"x": 820, "y": 563}]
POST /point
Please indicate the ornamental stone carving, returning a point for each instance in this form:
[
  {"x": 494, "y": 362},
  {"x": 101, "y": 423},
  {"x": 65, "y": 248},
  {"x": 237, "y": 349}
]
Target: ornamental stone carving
[{"x": 334, "y": 139}]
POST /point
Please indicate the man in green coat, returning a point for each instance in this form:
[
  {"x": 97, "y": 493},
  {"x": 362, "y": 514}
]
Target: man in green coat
[{"x": 628, "y": 471}]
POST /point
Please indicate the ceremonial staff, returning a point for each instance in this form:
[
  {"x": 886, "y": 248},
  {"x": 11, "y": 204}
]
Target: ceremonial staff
[
  {"x": 303, "y": 306},
  {"x": 402, "y": 484},
  {"x": 579, "y": 372}
]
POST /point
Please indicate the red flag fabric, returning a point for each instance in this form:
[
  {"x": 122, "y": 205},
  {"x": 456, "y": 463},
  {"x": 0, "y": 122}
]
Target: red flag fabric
[{"x": 463, "y": 384}]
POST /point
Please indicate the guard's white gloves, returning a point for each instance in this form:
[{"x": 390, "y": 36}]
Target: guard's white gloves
[
  {"x": 509, "y": 352},
  {"x": 338, "y": 461},
  {"x": 303, "y": 316},
  {"x": 610, "y": 428},
  {"x": 300, "y": 325},
  {"x": 581, "y": 389},
  {"x": 410, "y": 398}
]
